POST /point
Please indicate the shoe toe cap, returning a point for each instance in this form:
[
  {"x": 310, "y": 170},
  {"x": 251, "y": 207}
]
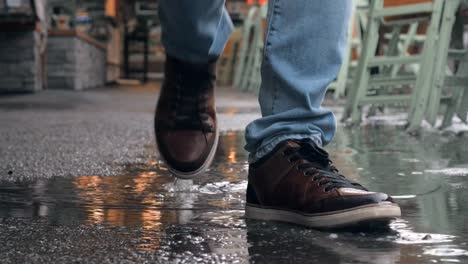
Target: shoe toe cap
[
  {"x": 347, "y": 201},
  {"x": 185, "y": 151}
]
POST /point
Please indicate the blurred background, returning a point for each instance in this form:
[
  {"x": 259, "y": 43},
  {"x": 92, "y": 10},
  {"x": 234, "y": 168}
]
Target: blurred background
[
  {"x": 114, "y": 40},
  {"x": 405, "y": 56}
]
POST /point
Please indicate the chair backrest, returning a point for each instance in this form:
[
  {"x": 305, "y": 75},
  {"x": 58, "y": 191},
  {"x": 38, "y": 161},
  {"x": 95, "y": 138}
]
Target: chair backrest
[
  {"x": 395, "y": 3},
  {"x": 402, "y": 4}
]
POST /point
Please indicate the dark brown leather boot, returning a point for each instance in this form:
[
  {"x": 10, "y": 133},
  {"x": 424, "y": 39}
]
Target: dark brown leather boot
[
  {"x": 297, "y": 183},
  {"x": 185, "y": 121}
]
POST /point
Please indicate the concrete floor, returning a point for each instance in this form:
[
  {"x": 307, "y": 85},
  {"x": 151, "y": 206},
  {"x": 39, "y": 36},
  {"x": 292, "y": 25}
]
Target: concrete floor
[{"x": 81, "y": 182}]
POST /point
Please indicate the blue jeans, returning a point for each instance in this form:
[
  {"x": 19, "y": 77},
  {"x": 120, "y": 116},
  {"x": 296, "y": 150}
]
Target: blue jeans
[{"x": 304, "y": 47}]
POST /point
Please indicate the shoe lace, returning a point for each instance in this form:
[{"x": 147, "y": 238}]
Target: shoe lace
[
  {"x": 191, "y": 105},
  {"x": 317, "y": 164}
]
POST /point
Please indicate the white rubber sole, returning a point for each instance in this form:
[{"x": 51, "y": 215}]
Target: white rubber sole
[
  {"x": 381, "y": 212},
  {"x": 206, "y": 165}
]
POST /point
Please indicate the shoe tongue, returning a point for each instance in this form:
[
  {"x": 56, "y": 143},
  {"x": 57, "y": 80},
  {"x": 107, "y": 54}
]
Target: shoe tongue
[
  {"x": 316, "y": 149},
  {"x": 310, "y": 151},
  {"x": 314, "y": 152},
  {"x": 292, "y": 143}
]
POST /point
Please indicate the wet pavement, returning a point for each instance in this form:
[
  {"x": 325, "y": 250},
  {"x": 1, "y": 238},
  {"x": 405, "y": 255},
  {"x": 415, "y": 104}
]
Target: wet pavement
[
  {"x": 143, "y": 215},
  {"x": 93, "y": 132}
]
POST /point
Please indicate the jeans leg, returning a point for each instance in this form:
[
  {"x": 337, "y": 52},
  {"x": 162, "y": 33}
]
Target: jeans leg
[
  {"x": 304, "y": 48},
  {"x": 194, "y": 30}
]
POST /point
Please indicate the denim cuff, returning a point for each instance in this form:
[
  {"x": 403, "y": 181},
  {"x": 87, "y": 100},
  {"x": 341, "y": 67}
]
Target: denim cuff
[{"x": 268, "y": 145}]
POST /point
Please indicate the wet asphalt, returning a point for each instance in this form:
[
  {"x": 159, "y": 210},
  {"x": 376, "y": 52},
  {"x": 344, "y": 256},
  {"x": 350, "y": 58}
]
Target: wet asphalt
[
  {"x": 94, "y": 132},
  {"x": 81, "y": 183}
]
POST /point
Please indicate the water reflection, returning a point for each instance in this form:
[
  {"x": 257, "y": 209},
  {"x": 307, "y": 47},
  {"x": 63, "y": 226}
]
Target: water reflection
[
  {"x": 317, "y": 247},
  {"x": 203, "y": 219}
]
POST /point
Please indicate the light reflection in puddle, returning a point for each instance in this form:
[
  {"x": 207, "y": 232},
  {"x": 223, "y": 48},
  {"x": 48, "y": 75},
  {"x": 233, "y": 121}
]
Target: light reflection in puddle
[
  {"x": 178, "y": 186},
  {"x": 446, "y": 251},
  {"x": 223, "y": 187},
  {"x": 411, "y": 160},
  {"x": 407, "y": 236},
  {"x": 410, "y": 196},
  {"x": 450, "y": 260},
  {"x": 450, "y": 171}
]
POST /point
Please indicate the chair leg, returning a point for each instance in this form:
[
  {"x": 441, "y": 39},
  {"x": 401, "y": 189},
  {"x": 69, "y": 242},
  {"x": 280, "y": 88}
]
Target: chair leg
[
  {"x": 403, "y": 49},
  {"x": 458, "y": 103},
  {"x": 342, "y": 80},
  {"x": 244, "y": 47},
  {"x": 462, "y": 105},
  {"x": 255, "y": 77},
  {"x": 250, "y": 64},
  {"x": 452, "y": 107},
  {"x": 424, "y": 80},
  {"x": 359, "y": 87},
  {"x": 462, "y": 111},
  {"x": 392, "y": 49},
  {"x": 438, "y": 77}
]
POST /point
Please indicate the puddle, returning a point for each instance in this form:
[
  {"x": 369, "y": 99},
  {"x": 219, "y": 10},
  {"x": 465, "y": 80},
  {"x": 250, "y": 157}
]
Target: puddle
[{"x": 146, "y": 215}]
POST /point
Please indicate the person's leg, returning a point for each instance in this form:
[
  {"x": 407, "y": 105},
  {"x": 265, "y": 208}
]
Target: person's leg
[
  {"x": 291, "y": 178},
  {"x": 194, "y": 33},
  {"x": 304, "y": 50}
]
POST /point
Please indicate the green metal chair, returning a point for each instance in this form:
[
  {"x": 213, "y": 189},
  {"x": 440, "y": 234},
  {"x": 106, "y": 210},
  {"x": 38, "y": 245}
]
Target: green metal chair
[
  {"x": 356, "y": 26},
  {"x": 226, "y": 61},
  {"x": 383, "y": 79},
  {"x": 451, "y": 33},
  {"x": 244, "y": 46},
  {"x": 247, "y": 76},
  {"x": 457, "y": 103},
  {"x": 432, "y": 75}
]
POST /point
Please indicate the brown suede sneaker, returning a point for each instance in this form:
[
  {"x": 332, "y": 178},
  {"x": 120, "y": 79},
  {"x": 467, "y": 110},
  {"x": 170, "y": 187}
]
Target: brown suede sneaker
[
  {"x": 185, "y": 121},
  {"x": 297, "y": 183}
]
